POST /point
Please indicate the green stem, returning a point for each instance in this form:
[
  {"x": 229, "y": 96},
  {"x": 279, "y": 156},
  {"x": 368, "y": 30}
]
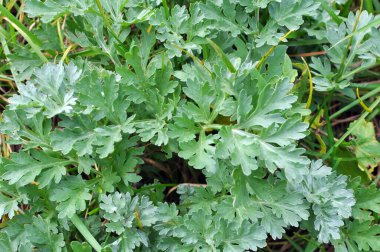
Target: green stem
[
  {"x": 330, "y": 131},
  {"x": 102, "y": 12},
  {"x": 293, "y": 243},
  {"x": 343, "y": 65},
  {"x": 30, "y": 37},
  {"x": 6, "y": 77},
  {"x": 7, "y": 53},
  {"x": 352, "y": 128},
  {"x": 85, "y": 232},
  {"x": 153, "y": 187},
  {"x": 354, "y": 103},
  {"x": 222, "y": 56},
  {"x": 371, "y": 24},
  {"x": 87, "y": 53},
  {"x": 59, "y": 31},
  {"x": 357, "y": 70},
  {"x": 4, "y": 33},
  {"x": 193, "y": 57},
  {"x": 106, "y": 21},
  {"x": 331, "y": 12},
  {"x": 165, "y": 4},
  {"x": 346, "y": 8},
  {"x": 373, "y": 114},
  {"x": 365, "y": 85},
  {"x": 94, "y": 211},
  {"x": 212, "y": 126},
  {"x": 266, "y": 55}
]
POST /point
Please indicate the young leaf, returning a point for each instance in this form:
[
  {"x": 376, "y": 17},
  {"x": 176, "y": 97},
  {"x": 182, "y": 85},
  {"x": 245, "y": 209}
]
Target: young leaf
[
  {"x": 270, "y": 102},
  {"x": 200, "y": 153},
  {"x": 71, "y": 195}
]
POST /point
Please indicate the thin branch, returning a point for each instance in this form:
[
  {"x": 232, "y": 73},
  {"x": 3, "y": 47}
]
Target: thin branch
[
  {"x": 309, "y": 54},
  {"x": 157, "y": 165},
  {"x": 345, "y": 120}
]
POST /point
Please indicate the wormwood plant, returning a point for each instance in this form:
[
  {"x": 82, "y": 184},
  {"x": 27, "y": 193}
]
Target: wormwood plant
[{"x": 207, "y": 82}]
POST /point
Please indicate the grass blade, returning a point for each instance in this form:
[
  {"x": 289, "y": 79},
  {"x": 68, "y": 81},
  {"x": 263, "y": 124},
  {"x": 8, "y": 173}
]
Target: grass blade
[
  {"x": 355, "y": 102},
  {"x": 85, "y": 232},
  {"x": 33, "y": 41},
  {"x": 223, "y": 56},
  {"x": 165, "y": 4},
  {"x": 348, "y": 132},
  {"x": 331, "y": 12}
]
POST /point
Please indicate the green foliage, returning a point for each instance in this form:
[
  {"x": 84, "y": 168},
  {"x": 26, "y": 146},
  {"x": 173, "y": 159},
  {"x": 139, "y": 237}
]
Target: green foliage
[
  {"x": 179, "y": 82},
  {"x": 329, "y": 198},
  {"x": 363, "y": 50},
  {"x": 362, "y": 233},
  {"x": 365, "y": 146},
  {"x": 50, "y": 91},
  {"x": 71, "y": 195}
]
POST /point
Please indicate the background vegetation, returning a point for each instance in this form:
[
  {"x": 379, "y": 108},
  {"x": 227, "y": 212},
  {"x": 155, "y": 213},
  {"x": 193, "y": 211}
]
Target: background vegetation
[{"x": 333, "y": 45}]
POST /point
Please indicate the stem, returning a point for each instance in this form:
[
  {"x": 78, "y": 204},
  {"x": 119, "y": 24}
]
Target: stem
[
  {"x": 357, "y": 70},
  {"x": 373, "y": 114},
  {"x": 106, "y": 21},
  {"x": 212, "y": 126},
  {"x": 66, "y": 53},
  {"x": 30, "y": 37},
  {"x": 257, "y": 16},
  {"x": 266, "y": 55},
  {"x": 330, "y": 131},
  {"x": 94, "y": 211},
  {"x": 354, "y": 103},
  {"x": 342, "y": 66},
  {"x": 305, "y": 42},
  {"x": 192, "y": 56},
  {"x": 165, "y": 4},
  {"x": 222, "y": 56},
  {"x": 310, "y": 98},
  {"x": 4, "y": 33},
  {"x": 59, "y": 31},
  {"x": 371, "y": 24},
  {"x": 85, "y": 232},
  {"x": 322, "y": 144},
  {"x": 7, "y": 53},
  {"x": 138, "y": 219},
  {"x": 102, "y": 12},
  {"x": 354, "y": 126},
  {"x": 293, "y": 243},
  {"x": 331, "y": 12},
  {"x": 361, "y": 101},
  {"x": 153, "y": 187}
]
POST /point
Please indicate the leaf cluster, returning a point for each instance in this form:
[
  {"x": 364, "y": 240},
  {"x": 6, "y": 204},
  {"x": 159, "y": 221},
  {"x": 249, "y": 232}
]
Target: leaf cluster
[{"x": 193, "y": 82}]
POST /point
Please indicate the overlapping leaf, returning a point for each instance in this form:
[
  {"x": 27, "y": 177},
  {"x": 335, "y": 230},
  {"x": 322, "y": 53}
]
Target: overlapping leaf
[
  {"x": 52, "y": 9},
  {"x": 167, "y": 79},
  {"x": 71, "y": 195},
  {"x": 51, "y": 90},
  {"x": 331, "y": 201},
  {"x": 24, "y": 169}
]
